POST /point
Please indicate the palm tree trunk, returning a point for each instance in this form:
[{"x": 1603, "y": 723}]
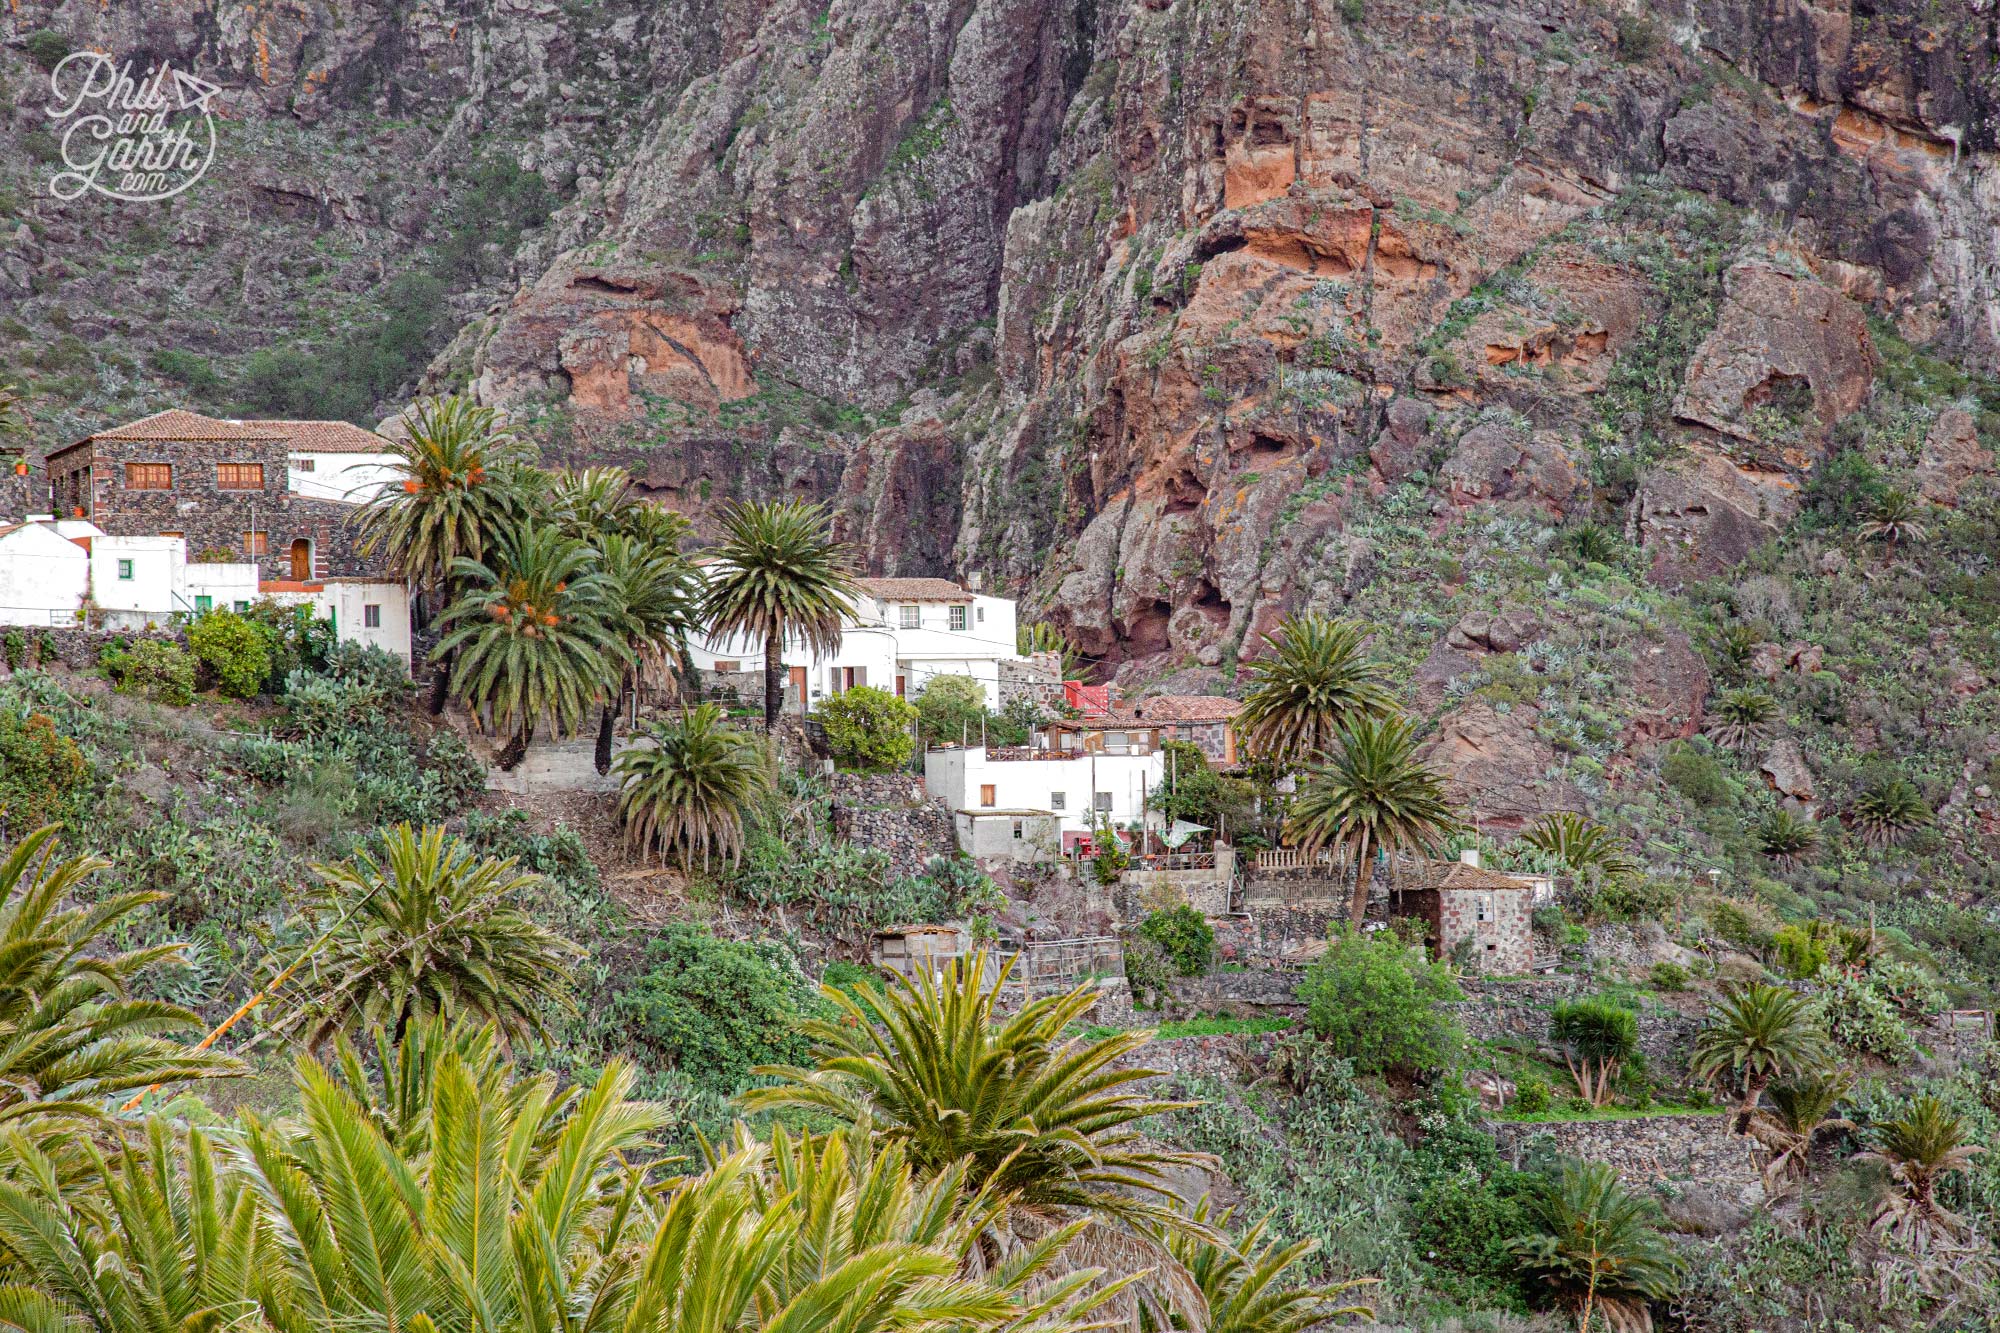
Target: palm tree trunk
[
  {"x": 774, "y": 675},
  {"x": 607, "y": 728},
  {"x": 441, "y": 670},
  {"x": 1358, "y": 912},
  {"x": 516, "y": 749}
]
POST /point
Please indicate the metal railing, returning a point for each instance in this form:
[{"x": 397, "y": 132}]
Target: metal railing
[
  {"x": 1292, "y": 858},
  {"x": 1063, "y": 963}
]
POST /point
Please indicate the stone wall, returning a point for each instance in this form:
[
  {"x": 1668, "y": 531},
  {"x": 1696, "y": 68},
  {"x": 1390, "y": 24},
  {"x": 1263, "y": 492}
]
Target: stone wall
[
  {"x": 1038, "y": 678},
  {"x": 1646, "y": 1151},
  {"x": 77, "y": 648},
  {"x": 891, "y": 812},
  {"x": 1495, "y": 1010}
]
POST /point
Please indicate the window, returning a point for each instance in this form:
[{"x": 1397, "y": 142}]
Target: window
[
  {"x": 371, "y": 615},
  {"x": 981, "y": 617},
  {"x": 149, "y": 476},
  {"x": 958, "y": 617},
  {"x": 988, "y": 797},
  {"x": 125, "y": 570},
  {"x": 256, "y": 543},
  {"x": 305, "y": 465},
  {"x": 203, "y": 604},
  {"x": 729, "y": 668},
  {"x": 1020, "y": 829},
  {"x": 1482, "y": 907},
  {"x": 1104, "y": 802},
  {"x": 1058, "y": 800},
  {"x": 909, "y": 617},
  {"x": 242, "y": 605},
  {"x": 239, "y": 476}
]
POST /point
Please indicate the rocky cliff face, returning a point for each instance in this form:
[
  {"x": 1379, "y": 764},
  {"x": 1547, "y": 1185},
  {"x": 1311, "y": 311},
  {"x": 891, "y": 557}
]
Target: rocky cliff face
[{"x": 1173, "y": 315}]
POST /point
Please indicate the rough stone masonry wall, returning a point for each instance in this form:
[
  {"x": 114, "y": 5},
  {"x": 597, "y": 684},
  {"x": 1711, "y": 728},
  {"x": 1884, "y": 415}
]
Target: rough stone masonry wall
[
  {"x": 1671, "y": 1150},
  {"x": 893, "y": 813},
  {"x": 1519, "y": 1011},
  {"x": 79, "y": 649}
]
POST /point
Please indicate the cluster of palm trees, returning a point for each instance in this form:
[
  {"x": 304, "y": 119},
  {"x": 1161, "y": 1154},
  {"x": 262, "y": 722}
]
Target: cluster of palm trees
[{"x": 1317, "y": 703}]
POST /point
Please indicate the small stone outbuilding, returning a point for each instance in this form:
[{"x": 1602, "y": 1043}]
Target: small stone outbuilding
[
  {"x": 1012, "y": 835},
  {"x": 1460, "y": 901}
]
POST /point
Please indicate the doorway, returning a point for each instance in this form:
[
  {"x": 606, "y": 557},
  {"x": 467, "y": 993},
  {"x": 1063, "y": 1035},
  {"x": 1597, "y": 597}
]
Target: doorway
[{"x": 302, "y": 560}]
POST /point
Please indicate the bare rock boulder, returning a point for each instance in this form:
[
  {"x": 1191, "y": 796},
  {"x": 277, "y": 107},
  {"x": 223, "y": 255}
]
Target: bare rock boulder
[
  {"x": 1493, "y": 632},
  {"x": 1496, "y": 462},
  {"x": 1703, "y": 513},
  {"x": 1494, "y": 763},
  {"x": 1785, "y": 772},
  {"x": 1951, "y": 457},
  {"x": 1399, "y": 449}
]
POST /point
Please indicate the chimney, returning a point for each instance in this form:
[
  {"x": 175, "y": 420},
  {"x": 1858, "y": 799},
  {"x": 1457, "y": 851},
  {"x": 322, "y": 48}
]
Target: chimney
[{"x": 1470, "y": 857}]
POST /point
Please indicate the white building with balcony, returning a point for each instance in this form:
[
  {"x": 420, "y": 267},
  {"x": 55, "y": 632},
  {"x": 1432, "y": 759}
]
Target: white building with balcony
[
  {"x": 1112, "y": 786},
  {"x": 904, "y": 634}
]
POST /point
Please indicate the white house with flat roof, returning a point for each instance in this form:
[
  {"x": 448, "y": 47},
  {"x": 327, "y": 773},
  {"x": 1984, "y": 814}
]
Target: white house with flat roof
[
  {"x": 337, "y": 460},
  {"x": 904, "y": 634},
  {"x": 1072, "y": 787}
]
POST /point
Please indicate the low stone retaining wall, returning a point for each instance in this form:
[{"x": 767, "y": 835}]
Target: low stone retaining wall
[
  {"x": 1256, "y": 987},
  {"x": 1519, "y": 1010},
  {"x": 891, "y": 812},
  {"x": 1648, "y": 1151},
  {"x": 78, "y": 649}
]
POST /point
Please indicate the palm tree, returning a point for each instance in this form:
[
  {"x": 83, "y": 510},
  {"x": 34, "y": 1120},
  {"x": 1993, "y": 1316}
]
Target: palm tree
[
  {"x": 1029, "y": 1113},
  {"x": 1598, "y": 1247},
  {"x": 1801, "y": 1109},
  {"x": 1733, "y": 646},
  {"x": 685, "y": 785},
  {"x": 1755, "y": 1034},
  {"x": 457, "y": 495},
  {"x": 1593, "y": 542},
  {"x": 1742, "y": 717},
  {"x": 1897, "y": 517},
  {"x": 429, "y": 929},
  {"x": 592, "y": 501},
  {"x": 1582, "y": 847},
  {"x": 1887, "y": 812},
  {"x": 1374, "y": 796},
  {"x": 532, "y": 635},
  {"x": 71, "y": 1035},
  {"x": 1790, "y": 840},
  {"x": 1244, "y": 1280},
  {"x": 1596, "y": 1037},
  {"x": 1313, "y": 681},
  {"x": 1921, "y": 1147},
  {"x": 779, "y": 576},
  {"x": 652, "y": 596}
]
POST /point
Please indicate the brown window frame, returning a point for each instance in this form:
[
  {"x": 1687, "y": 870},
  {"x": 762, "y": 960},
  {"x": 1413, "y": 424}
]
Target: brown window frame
[
  {"x": 224, "y": 471},
  {"x": 135, "y": 471},
  {"x": 989, "y": 795},
  {"x": 256, "y": 544}
]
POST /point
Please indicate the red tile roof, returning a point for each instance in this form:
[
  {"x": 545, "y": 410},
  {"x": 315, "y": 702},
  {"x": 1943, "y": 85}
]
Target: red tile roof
[
  {"x": 316, "y": 437},
  {"x": 1458, "y": 875},
  {"x": 914, "y": 590},
  {"x": 1184, "y": 708},
  {"x": 330, "y": 437}
]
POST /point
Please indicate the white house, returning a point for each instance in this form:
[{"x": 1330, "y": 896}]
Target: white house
[
  {"x": 905, "y": 633},
  {"x": 976, "y": 778},
  {"x": 337, "y": 460},
  {"x": 43, "y": 575}
]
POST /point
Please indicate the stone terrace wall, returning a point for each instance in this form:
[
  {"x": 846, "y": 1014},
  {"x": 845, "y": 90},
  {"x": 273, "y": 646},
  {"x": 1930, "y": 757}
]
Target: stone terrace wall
[
  {"x": 1649, "y": 1150},
  {"x": 893, "y": 813},
  {"x": 1500, "y": 1010},
  {"x": 78, "y": 648}
]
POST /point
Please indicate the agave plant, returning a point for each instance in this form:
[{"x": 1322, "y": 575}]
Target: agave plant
[
  {"x": 1313, "y": 678},
  {"x": 1583, "y": 847},
  {"x": 685, "y": 785},
  {"x": 1598, "y": 1248},
  {"x": 1887, "y": 812},
  {"x": 1801, "y": 1110},
  {"x": 1742, "y": 717},
  {"x": 1756, "y": 1034},
  {"x": 1789, "y": 839},
  {"x": 1920, "y": 1148},
  {"x": 1039, "y": 636}
]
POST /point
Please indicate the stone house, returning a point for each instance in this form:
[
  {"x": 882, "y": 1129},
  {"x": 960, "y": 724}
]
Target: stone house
[
  {"x": 1144, "y": 725},
  {"x": 1009, "y": 835},
  {"x": 1461, "y": 901}
]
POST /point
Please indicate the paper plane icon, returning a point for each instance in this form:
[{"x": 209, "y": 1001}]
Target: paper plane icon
[{"x": 193, "y": 92}]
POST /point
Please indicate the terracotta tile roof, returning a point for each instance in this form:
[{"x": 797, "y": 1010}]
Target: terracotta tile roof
[
  {"x": 914, "y": 590},
  {"x": 1458, "y": 875},
  {"x": 178, "y": 424},
  {"x": 329, "y": 437},
  {"x": 1184, "y": 708}
]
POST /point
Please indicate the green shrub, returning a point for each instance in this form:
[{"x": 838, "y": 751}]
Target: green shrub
[
  {"x": 1738, "y": 924},
  {"x": 233, "y": 650},
  {"x": 951, "y": 709},
  {"x": 368, "y": 666},
  {"x": 1669, "y": 976},
  {"x": 868, "y": 729},
  {"x": 1148, "y": 972},
  {"x": 1461, "y": 1223},
  {"x": 47, "y": 47},
  {"x": 1531, "y": 1095},
  {"x": 1861, "y": 1018},
  {"x": 1375, "y": 1000},
  {"x": 152, "y": 669},
  {"x": 41, "y": 772},
  {"x": 1184, "y": 936},
  {"x": 850, "y": 977},
  {"x": 1800, "y": 953},
  {"x": 14, "y": 646},
  {"x": 1697, "y": 776},
  {"x": 715, "y": 1008}
]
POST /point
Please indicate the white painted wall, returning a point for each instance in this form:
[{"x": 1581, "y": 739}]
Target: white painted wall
[
  {"x": 136, "y": 579},
  {"x": 955, "y": 776},
  {"x": 43, "y": 577},
  {"x": 869, "y": 650},
  {"x": 348, "y": 601},
  {"x": 351, "y": 477},
  {"x": 225, "y": 585}
]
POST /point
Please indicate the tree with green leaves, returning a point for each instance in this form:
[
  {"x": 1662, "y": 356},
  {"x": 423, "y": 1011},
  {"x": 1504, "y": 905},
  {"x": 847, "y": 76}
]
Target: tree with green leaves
[
  {"x": 1373, "y": 795},
  {"x": 1597, "y": 1247},
  {"x": 457, "y": 494},
  {"x": 1802, "y": 1109},
  {"x": 869, "y": 729},
  {"x": 1754, "y": 1035},
  {"x": 1596, "y": 1038},
  {"x": 1920, "y": 1148},
  {"x": 534, "y": 635},
  {"x": 652, "y": 594},
  {"x": 1742, "y": 717},
  {"x": 951, "y": 709},
  {"x": 684, "y": 785},
  {"x": 1584, "y": 848},
  {"x": 428, "y": 927},
  {"x": 1313, "y": 679},
  {"x": 779, "y": 576},
  {"x": 1376, "y": 1000}
]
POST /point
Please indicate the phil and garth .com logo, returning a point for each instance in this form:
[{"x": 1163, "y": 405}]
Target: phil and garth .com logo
[{"x": 138, "y": 138}]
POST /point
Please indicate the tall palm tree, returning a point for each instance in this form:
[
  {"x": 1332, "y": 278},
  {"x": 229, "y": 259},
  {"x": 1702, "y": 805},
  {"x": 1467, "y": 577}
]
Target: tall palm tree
[
  {"x": 532, "y": 635},
  {"x": 458, "y": 493},
  {"x": 1582, "y": 847},
  {"x": 685, "y": 784},
  {"x": 429, "y": 928},
  {"x": 1742, "y": 717},
  {"x": 71, "y": 1036},
  {"x": 1755, "y": 1034},
  {"x": 1801, "y": 1110},
  {"x": 1897, "y": 517},
  {"x": 1920, "y": 1148},
  {"x": 592, "y": 501},
  {"x": 1312, "y": 681},
  {"x": 1887, "y": 812},
  {"x": 779, "y": 576},
  {"x": 651, "y": 603},
  {"x": 1374, "y": 796},
  {"x": 1789, "y": 839},
  {"x": 1598, "y": 1247},
  {"x": 1244, "y": 1280}
]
